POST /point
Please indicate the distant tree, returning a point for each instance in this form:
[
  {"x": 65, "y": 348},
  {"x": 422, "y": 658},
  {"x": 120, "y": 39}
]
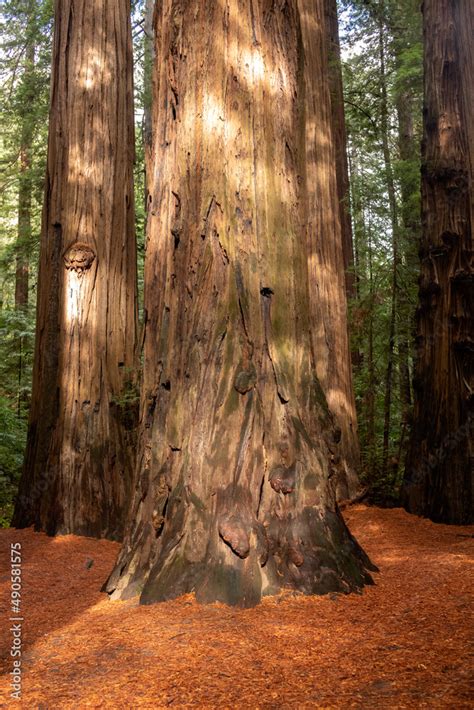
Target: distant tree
[
  {"x": 76, "y": 475},
  {"x": 25, "y": 28},
  {"x": 382, "y": 93},
  {"x": 340, "y": 140},
  {"x": 439, "y": 476}
]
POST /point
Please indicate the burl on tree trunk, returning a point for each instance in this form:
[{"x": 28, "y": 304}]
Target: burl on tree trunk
[
  {"x": 234, "y": 497},
  {"x": 439, "y": 478},
  {"x": 77, "y": 473}
]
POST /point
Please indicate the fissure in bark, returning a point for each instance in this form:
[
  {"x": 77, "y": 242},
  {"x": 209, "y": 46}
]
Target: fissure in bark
[
  {"x": 77, "y": 474},
  {"x": 234, "y": 497},
  {"x": 439, "y": 479},
  {"x": 328, "y": 251}
]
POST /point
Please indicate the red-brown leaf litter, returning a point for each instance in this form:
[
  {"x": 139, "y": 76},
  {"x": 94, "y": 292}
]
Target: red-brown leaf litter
[{"x": 407, "y": 642}]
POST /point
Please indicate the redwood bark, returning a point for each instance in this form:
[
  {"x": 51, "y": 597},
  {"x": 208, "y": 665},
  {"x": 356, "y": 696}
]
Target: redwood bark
[
  {"x": 338, "y": 123},
  {"x": 408, "y": 148},
  {"x": 330, "y": 242},
  {"x": 77, "y": 474},
  {"x": 237, "y": 448},
  {"x": 439, "y": 479}
]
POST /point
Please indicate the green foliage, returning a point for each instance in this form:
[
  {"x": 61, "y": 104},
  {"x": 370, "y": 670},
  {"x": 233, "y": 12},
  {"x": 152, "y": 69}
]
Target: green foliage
[
  {"x": 16, "y": 359},
  {"x": 12, "y": 442},
  {"x": 24, "y": 97},
  {"x": 25, "y": 55},
  {"x": 373, "y": 224}
]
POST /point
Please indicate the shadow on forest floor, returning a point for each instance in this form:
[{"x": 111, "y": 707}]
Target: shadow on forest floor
[{"x": 402, "y": 643}]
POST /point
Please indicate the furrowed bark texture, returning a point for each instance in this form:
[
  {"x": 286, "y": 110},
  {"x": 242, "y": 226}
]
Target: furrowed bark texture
[
  {"x": 340, "y": 378},
  {"x": 77, "y": 475},
  {"x": 338, "y": 124},
  {"x": 439, "y": 479},
  {"x": 237, "y": 443}
]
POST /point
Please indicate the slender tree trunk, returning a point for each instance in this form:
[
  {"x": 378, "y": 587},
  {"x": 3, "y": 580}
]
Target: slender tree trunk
[
  {"x": 24, "y": 189},
  {"x": 23, "y": 245},
  {"x": 384, "y": 131},
  {"x": 149, "y": 58},
  {"x": 338, "y": 123},
  {"x": 234, "y": 498},
  {"x": 357, "y": 229},
  {"x": 439, "y": 477},
  {"x": 77, "y": 471},
  {"x": 23, "y": 242},
  {"x": 371, "y": 448},
  {"x": 24, "y": 221},
  {"x": 411, "y": 226}
]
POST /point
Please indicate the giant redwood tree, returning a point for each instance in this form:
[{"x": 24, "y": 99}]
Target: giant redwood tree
[
  {"x": 439, "y": 480},
  {"x": 237, "y": 448},
  {"x": 340, "y": 387},
  {"x": 77, "y": 476}
]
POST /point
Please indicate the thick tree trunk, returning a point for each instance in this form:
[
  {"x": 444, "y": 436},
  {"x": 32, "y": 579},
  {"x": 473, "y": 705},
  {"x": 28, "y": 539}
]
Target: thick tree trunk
[
  {"x": 77, "y": 473},
  {"x": 234, "y": 497},
  {"x": 329, "y": 242},
  {"x": 439, "y": 480}
]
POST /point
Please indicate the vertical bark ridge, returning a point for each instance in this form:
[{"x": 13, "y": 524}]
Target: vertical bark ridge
[
  {"x": 328, "y": 237},
  {"x": 233, "y": 494},
  {"x": 439, "y": 478},
  {"x": 77, "y": 471}
]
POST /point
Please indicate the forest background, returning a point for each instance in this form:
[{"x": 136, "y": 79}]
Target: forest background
[{"x": 381, "y": 46}]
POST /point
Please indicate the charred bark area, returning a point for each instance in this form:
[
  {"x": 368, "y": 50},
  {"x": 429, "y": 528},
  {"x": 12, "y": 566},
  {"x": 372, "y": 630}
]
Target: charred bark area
[
  {"x": 238, "y": 447},
  {"x": 439, "y": 480},
  {"x": 77, "y": 472}
]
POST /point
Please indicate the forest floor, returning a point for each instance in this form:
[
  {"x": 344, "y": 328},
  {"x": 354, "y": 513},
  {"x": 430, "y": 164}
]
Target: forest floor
[{"x": 404, "y": 643}]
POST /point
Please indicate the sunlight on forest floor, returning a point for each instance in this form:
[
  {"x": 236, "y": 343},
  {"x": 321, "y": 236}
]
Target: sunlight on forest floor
[{"x": 401, "y": 644}]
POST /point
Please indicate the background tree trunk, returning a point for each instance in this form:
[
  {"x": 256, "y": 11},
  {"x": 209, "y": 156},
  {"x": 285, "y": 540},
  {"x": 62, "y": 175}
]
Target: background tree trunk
[
  {"x": 237, "y": 442},
  {"x": 338, "y": 123},
  {"x": 77, "y": 474},
  {"x": 411, "y": 224},
  {"x": 24, "y": 245},
  {"x": 439, "y": 479},
  {"x": 24, "y": 221},
  {"x": 392, "y": 198},
  {"x": 330, "y": 250},
  {"x": 148, "y": 61}
]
